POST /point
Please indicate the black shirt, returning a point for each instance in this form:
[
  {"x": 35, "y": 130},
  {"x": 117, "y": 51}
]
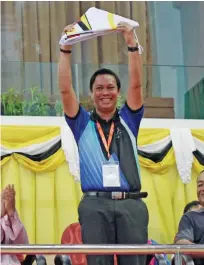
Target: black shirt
[{"x": 191, "y": 227}]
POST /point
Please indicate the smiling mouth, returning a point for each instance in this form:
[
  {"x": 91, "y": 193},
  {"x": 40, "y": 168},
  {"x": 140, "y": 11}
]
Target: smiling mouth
[
  {"x": 105, "y": 100},
  {"x": 201, "y": 196}
]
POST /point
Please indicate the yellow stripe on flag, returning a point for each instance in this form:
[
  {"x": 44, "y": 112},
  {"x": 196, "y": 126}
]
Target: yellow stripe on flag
[
  {"x": 111, "y": 20},
  {"x": 85, "y": 21}
]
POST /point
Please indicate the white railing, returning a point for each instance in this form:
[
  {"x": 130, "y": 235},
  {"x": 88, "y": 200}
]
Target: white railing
[{"x": 103, "y": 249}]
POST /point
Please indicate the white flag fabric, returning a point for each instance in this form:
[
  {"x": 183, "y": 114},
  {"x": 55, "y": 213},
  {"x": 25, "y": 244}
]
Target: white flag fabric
[{"x": 95, "y": 22}]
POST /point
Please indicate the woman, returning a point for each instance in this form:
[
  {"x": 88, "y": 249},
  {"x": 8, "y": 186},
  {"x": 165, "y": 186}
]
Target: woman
[{"x": 12, "y": 230}]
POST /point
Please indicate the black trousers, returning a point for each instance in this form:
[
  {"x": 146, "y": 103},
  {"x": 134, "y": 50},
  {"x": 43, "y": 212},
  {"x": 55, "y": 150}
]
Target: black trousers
[{"x": 107, "y": 221}]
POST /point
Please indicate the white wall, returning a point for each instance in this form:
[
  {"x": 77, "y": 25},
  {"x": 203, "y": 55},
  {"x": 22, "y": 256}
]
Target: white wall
[{"x": 60, "y": 121}]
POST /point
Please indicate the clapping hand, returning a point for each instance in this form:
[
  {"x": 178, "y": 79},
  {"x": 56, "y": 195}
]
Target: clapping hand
[
  {"x": 3, "y": 211},
  {"x": 9, "y": 199}
]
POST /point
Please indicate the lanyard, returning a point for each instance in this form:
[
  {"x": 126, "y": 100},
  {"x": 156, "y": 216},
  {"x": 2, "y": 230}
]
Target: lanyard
[{"x": 110, "y": 136}]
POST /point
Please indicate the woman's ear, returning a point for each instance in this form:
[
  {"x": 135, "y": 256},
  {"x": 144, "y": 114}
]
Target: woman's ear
[{"x": 91, "y": 95}]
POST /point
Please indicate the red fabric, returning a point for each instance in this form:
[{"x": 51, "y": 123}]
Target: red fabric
[{"x": 72, "y": 235}]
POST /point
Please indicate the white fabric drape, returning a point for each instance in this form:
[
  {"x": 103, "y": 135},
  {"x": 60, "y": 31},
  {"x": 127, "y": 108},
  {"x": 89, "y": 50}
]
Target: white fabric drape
[
  {"x": 155, "y": 147},
  {"x": 70, "y": 149},
  {"x": 184, "y": 146},
  {"x": 33, "y": 149}
]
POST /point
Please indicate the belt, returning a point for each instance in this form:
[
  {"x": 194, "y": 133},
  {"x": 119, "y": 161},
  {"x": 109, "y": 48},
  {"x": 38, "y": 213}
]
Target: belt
[{"x": 117, "y": 195}]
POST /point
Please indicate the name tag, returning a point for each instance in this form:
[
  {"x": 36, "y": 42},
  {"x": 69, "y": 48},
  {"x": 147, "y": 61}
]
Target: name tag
[{"x": 111, "y": 175}]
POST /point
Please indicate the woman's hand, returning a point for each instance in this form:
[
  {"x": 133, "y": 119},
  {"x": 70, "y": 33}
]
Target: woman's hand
[{"x": 9, "y": 200}]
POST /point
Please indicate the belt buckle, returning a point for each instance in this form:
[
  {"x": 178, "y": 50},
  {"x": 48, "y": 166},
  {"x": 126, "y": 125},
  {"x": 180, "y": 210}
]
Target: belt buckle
[{"x": 117, "y": 195}]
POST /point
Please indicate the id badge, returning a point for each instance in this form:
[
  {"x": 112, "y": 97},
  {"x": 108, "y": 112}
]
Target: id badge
[{"x": 111, "y": 174}]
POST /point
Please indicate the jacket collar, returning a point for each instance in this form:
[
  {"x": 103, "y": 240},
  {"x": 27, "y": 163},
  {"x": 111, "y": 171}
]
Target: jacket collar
[{"x": 95, "y": 117}]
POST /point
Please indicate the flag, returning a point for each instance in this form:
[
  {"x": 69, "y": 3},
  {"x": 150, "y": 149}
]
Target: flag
[{"x": 95, "y": 22}]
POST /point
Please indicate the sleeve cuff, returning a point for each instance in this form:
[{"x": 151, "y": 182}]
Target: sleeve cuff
[
  {"x": 134, "y": 111},
  {"x": 75, "y": 117},
  {"x": 183, "y": 238}
]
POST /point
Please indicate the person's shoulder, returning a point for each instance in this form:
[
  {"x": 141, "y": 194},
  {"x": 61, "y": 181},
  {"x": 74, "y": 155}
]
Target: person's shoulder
[
  {"x": 127, "y": 113},
  {"x": 196, "y": 212},
  {"x": 127, "y": 107},
  {"x": 188, "y": 214},
  {"x": 187, "y": 218}
]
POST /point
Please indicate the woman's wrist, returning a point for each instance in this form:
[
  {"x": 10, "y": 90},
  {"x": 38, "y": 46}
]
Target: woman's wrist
[{"x": 10, "y": 213}]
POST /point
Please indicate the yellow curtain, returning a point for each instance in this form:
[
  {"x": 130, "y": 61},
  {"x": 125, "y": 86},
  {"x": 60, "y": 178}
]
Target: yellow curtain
[
  {"x": 21, "y": 136},
  {"x": 47, "y": 202},
  {"x": 149, "y": 136},
  {"x": 47, "y": 195},
  {"x": 47, "y": 165},
  {"x": 198, "y": 133},
  {"x": 166, "y": 201}
]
